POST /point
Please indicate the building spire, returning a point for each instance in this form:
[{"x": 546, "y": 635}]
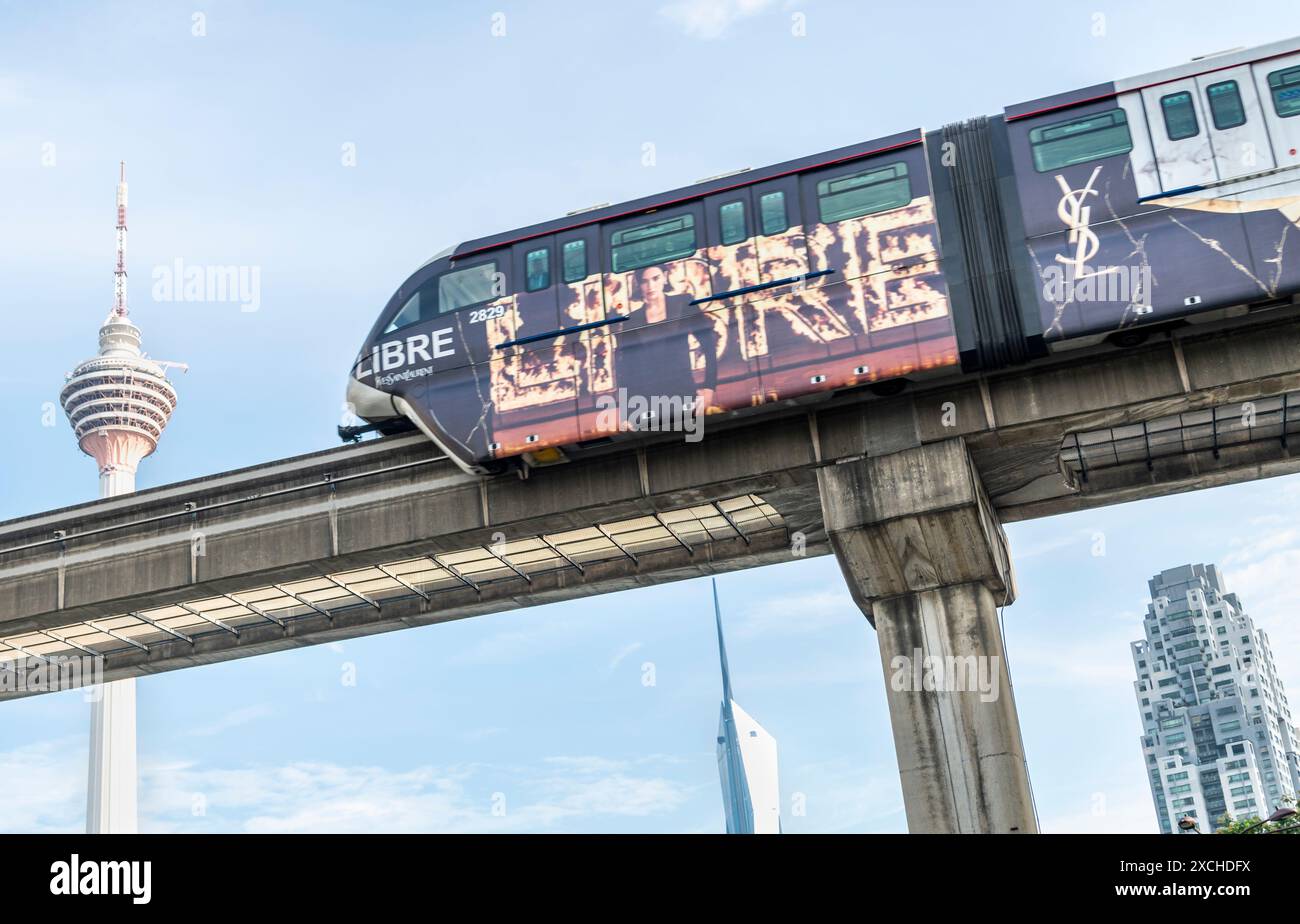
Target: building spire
[
  {"x": 751, "y": 796},
  {"x": 722, "y": 648},
  {"x": 119, "y": 276}
]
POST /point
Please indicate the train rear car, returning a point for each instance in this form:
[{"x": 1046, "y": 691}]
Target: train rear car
[{"x": 1164, "y": 199}]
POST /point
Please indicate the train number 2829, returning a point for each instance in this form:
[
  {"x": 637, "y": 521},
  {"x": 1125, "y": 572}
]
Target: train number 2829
[{"x": 479, "y": 315}]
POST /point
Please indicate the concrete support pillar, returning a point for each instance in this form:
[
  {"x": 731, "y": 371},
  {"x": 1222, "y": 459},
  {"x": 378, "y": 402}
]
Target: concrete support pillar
[
  {"x": 111, "y": 787},
  {"x": 927, "y": 561},
  {"x": 111, "y": 777}
]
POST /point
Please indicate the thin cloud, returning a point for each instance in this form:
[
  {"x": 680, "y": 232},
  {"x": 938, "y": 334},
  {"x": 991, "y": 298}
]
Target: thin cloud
[
  {"x": 232, "y": 719},
  {"x": 317, "y": 797},
  {"x": 1056, "y": 544},
  {"x": 531, "y": 638},
  {"x": 1130, "y": 813},
  {"x": 710, "y": 19},
  {"x": 46, "y": 793},
  {"x": 10, "y": 91},
  {"x": 44, "y": 787},
  {"x": 1266, "y": 588},
  {"x": 794, "y": 614},
  {"x": 1097, "y": 664},
  {"x": 1261, "y": 546}
]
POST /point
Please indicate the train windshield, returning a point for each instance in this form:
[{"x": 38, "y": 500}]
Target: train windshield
[{"x": 473, "y": 285}]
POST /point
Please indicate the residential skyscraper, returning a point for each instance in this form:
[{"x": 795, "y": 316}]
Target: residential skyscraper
[
  {"x": 1218, "y": 738},
  {"x": 751, "y": 794}
]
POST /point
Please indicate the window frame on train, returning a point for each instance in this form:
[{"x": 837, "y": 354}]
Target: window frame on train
[
  {"x": 1037, "y": 141},
  {"x": 722, "y": 222},
  {"x": 1190, "y": 100},
  {"x": 685, "y": 215},
  {"x": 1214, "y": 113},
  {"x": 396, "y": 323},
  {"x": 581, "y": 243},
  {"x": 433, "y": 284},
  {"x": 1274, "y": 88},
  {"x": 823, "y": 190},
  {"x": 545, "y": 251},
  {"x": 492, "y": 295},
  {"x": 763, "y": 198}
]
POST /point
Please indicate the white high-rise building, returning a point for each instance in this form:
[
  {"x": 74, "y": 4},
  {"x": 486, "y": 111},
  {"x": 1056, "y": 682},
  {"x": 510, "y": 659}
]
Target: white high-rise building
[
  {"x": 751, "y": 793},
  {"x": 1218, "y": 738}
]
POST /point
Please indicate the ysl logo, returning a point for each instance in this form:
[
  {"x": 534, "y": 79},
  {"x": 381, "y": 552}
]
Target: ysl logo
[{"x": 1076, "y": 215}]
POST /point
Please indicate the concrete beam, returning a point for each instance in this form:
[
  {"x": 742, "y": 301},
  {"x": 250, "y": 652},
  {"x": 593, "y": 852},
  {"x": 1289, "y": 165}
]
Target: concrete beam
[{"x": 312, "y": 628}]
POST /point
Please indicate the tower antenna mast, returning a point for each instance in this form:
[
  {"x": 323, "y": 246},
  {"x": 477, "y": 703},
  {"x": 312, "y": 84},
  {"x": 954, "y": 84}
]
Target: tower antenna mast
[{"x": 119, "y": 276}]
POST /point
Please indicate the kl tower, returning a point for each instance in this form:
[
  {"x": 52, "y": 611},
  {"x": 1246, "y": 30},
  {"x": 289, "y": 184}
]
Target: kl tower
[{"x": 118, "y": 403}]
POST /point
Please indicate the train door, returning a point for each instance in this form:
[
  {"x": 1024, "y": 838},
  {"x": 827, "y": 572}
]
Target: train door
[
  {"x": 782, "y": 252},
  {"x": 532, "y": 280},
  {"x": 779, "y": 235},
  {"x": 729, "y": 231},
  {"x": 1236, "y": 122},
  {"x": 1179, "y": 135},
  {"x": 657, "y": 278},
  {"x": 589, "y": 333},
  {"x": 1278, "y": 85},
  {"x": 531, "y": 399},
  {"x": 730, "y": 221},
  {"x": 871, "y": 226}
]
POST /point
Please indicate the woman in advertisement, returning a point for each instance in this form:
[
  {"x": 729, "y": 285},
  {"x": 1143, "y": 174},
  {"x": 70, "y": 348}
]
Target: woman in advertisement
[{"x": 653, "y": 367}]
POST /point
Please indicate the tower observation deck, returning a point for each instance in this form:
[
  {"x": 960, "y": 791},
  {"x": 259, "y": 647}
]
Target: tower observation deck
[{"x": 119, "y": 402}]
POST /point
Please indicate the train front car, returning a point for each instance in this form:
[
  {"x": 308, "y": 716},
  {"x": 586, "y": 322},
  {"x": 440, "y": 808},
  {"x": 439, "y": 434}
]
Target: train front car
[
  {"x": 1165, "y": 199},
  {"x": 422, "y": 363},
  {"x": 748, "y": 293}
]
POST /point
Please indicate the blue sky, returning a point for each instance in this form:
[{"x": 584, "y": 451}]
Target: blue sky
[{"x": 236, "y": 141}]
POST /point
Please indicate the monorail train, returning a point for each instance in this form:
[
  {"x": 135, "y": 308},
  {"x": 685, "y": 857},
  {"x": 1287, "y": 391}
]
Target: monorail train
[{"x": 1095, "y": 215}]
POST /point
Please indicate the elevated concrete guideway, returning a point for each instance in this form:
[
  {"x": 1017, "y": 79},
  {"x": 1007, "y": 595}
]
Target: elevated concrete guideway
[{"x": 909, "y": 492}]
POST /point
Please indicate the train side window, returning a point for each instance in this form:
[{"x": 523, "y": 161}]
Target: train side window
[
  {"x": 537, "y": 270},
  {"x": 651, "y": 243},
  {"x": 1284, "y": 86},
  {"x": 877, "y": 189},
  {"x": 1225, "y": 104},
  {"x": 473, "y": 285},
  {"x": 575, "y": 261},
  {"x": 771, "y": 213},
  {"x": 731, "y": 218},
  {"x": 1180, "y": 116},
  {"x": 1078, "y": 141}
]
